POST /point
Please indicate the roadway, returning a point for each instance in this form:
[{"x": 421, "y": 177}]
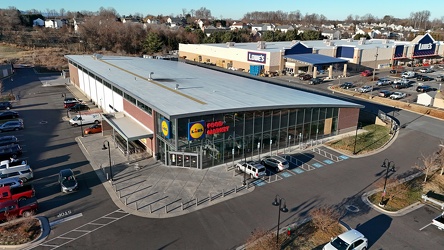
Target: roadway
[{"x": 49, "y": 146}]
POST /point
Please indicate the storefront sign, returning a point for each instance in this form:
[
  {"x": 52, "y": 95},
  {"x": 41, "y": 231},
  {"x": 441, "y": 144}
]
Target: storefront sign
[
  {"x": 257, "y": 57},
  {"x": 166, "y": 128},
  {"x": 216, "y": 127},
  {"x": 425, "y": 46},
  {"x": 196, "y": 130}
]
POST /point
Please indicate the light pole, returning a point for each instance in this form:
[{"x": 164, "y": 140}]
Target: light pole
[
  {"x": 376, "y": 63},
  {"x": 282, "y": 207},
  {"x": 245, "y": 167},
  {"x": 109, "y": 155},
  {"x": 81, "y": 122},
  {"x": 389, "y": 168},
  {"x": 356, "y": 137}
]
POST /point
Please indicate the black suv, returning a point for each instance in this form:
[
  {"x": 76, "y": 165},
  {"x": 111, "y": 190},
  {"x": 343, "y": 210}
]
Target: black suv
[
  {"x": 78, "y": 107},
  {"x": 10, "y": 151},
  {"x": 346, "y": 85},
  {"x": 5, "y": 105},
  {"x": 316, "y": 80},
  {"x": 8, "y": 139},
  {"x": 424, "y": 88},
  {"x": 5, "y": 115}
]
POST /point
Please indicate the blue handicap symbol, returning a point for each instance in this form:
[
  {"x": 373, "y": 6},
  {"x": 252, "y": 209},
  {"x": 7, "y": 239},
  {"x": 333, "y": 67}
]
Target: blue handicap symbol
[
  {"x": 343, "y": 157},
  {"x": 298, "y": 170},
  {"x": 318, "y": 165},
  {"x": 329, "y": 161},
  {"x": 285, "y": 174},
  {"x": 259, "y": 183}
]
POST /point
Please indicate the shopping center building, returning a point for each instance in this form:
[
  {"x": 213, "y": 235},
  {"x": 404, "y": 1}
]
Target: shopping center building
[
  {"x": 191, "y": 116},
  {"x": 312, "y": 56}
]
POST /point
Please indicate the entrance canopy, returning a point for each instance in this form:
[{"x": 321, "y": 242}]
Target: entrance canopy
[
  {"x": 315, "y": 59},
  {"x": 128, "y": 128}
]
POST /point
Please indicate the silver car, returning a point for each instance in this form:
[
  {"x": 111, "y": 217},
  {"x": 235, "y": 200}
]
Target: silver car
[
  {"x": 12, "y": 125},
  {"x": 279, "y": 163},
  {"x": 67, "y": 180}
]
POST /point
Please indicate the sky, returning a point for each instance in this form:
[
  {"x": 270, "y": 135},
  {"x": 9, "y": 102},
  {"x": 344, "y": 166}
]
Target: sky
[{"x": 235, "y": 9}]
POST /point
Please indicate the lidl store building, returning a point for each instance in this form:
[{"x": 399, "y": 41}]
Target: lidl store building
[
  {"x": 190, "y": 116},
  {"x": 312, "y": 56}
]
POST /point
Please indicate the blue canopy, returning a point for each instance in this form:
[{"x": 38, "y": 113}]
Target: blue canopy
[{"x": 315, "y": 59}]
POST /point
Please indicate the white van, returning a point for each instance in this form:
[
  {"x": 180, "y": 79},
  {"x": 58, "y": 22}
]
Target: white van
[
  {"x": 408, "y": 74},
  {"x": 85, "y": 119}
]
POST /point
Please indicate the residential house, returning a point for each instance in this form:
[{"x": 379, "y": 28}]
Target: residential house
[
  {"x": 238, "y": 26},
  {"x": 38, "y": 22},
  {"x": 331, "y": 34},
  {"x": 130, "y": 20},
  {"x": 284, "y": 28},
  {"x": 53, "y": 23},
  {"x": 77, "y": 22},
  {"x": 176, "y": 21}
]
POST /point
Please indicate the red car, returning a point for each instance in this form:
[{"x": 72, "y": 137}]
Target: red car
[
  {"x": 70, "y": 102},
  {"x": 366, "y": 73},
  {"x": 96, "y": 128}
]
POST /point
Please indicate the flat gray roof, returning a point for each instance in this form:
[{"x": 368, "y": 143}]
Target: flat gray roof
[{"x": 180, "y": 90}]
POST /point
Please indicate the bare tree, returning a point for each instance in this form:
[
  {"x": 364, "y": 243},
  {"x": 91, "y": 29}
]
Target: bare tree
[
  {"x": 203, "y": 13},
  {"x": 325, "y": 218},
  {"x": 62, "y": 12},
  {"x": 428, "y": 165}
]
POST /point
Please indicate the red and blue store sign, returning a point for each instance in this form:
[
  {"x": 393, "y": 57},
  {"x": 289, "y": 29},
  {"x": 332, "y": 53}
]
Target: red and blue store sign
[{"x": 198, "y": 130}]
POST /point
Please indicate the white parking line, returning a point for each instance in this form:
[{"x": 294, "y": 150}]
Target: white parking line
[{"x": 107, "y": 216}]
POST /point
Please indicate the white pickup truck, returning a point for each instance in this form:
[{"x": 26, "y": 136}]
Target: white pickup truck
[
  {"x": 439, "y": 221},
  {"x": 12, "y": 163}
]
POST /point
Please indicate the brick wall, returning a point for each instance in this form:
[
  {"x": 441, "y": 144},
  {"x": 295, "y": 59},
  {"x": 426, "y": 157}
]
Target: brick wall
[
  {"x": 143, "y": 117},
  {"x": 348, "y": 118}
]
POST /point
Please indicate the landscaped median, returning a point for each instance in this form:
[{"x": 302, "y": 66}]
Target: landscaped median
[{"x": 24, "y": 232}]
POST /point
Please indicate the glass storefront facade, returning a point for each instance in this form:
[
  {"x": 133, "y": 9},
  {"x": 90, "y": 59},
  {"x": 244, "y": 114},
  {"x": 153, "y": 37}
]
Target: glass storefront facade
[{"x": 225, "y": 138}]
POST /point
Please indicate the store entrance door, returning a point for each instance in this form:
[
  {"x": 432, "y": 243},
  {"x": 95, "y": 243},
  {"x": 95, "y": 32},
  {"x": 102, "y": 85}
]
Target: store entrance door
[{"x": 184, "y": 159}]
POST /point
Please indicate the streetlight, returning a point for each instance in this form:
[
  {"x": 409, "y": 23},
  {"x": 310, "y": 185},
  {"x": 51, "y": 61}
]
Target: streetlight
[
  {"x": 245, "y": 164},
  {"x": 356, "y": 136},
  {"x": 81, "y": 122},
  {"x": 109, "y": 155},
  {"x": 376, "y": 63},
  {"x": 278, "y": 202},
  {"x": 389, "y": 168}
]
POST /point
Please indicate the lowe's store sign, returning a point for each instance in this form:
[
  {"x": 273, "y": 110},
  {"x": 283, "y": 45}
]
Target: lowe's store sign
[
  {"x": 257, "y": 57},
  {"x": 425, "y": 47}
]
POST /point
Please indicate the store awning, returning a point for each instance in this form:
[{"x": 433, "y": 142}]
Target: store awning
[
  {"x": 315, "y": 59},
  {"x": 127, "y": 127}
]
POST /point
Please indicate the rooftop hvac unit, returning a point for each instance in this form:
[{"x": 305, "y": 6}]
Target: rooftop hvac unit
[
  {"x": 361, "y": 41},
  {"x": 350, "y": 40},
  {"x": 330, "y": 43},
  {"x": 294, "y": 42},
  {"x": 326, "y": 40},
  {"x": 385, "y": 41},
  {"x": 230, "y": 44},
  {"x": 261, "y": 45},
  {"x": 97, "y": 56}
]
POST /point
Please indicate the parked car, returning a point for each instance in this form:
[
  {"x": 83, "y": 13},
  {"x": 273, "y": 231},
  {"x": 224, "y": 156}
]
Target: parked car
[
  {"x": 440, "y": 78},
  {"x": 393, "y": 71},
  {"x": 408, "y": 74},
  {"x": 67, "y": 180},
  {"x": 384, "y": 93},
  {"x": 8, "y": 139},
  {"x": 424, "y": 88},
  {"x": 316, "y": 80},
  {"x": 397, "y": 95},
  {"x": 278, "y": 163},
  {"x": 11, "y": 182},
  {"x": 9, "y": 115},
  {"x": 351, "y": 239},
  {"x": 5, "y": 105},
  {"x": 12, "y": 125},
  {"x": 384, "y": 81},
  {"x": 425, "y": 78},
  {"x": 78, "y": 107},
  {"x": 425, "y": 70},
  {"x": 10, "y": 151},
  {"x": 24, "y": 172},
  {"x": 304, "y": 77},
  {"x": 69, "y": 102},
  {"x": 365, "y": 89},
  {"x": 16, "y": 208},
  {"x": 251, "y": 168},
  {"x": 346, "y": 85},
  {"x": 366, "y": 73},
  {"x": 96, "y": 128}
]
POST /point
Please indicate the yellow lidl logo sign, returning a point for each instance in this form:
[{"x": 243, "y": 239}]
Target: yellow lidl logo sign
[
  {"x": 196, "y": 130},
  {"x": 166, "y": 128}
]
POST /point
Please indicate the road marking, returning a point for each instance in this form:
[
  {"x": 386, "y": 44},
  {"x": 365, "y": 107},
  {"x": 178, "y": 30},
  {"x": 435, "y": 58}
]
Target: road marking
[
  {"x": 298, "y": 171},
  {"x": 425, "y": 226},
  {"x": 329, "y": 161},
  {"x": 64, "y": 237},
  {"x": 317, "y": 165},
  {"x": 259, "y": 183},
  {"x": 286, "y": 174},
  {"x": 72, "y": 217},
  {"x": 343, "y": 157}
]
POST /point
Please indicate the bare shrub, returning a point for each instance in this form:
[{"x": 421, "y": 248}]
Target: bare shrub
[
  {"x": 325, "y": 218},
  {"x": 263, "y": 240}
]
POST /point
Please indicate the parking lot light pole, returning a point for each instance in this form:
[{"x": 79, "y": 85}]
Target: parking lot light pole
[
  {"x": 282, "y": 207},
  {"x": 356, "y": 137},
  {"x": 105, "y": 147},
  {"x": 81, "y": 122},
  {"x": 390, "y": 167},
  {"x": 376, "y": 64}
]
